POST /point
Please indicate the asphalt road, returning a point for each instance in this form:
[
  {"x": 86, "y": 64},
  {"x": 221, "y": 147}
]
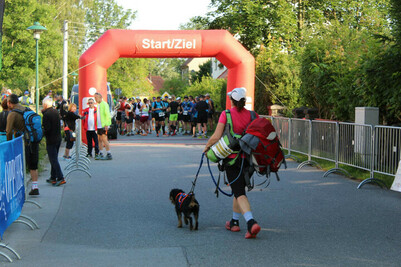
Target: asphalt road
[{"x": 122, "y": 216}]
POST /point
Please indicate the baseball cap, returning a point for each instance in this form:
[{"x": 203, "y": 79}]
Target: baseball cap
[
  {"x": 186, "y": 96},
  {"x": 207, "y": 94},
  {"x": 138, "y": 97},
  {"x": 178, "y": 98},
  {"x": 26, "y": 93},
  {"x": 237, "y": 93}
]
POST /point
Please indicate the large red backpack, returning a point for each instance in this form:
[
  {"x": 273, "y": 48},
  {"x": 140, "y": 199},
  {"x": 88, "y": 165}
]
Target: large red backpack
[{"x": 265, "y": 154}]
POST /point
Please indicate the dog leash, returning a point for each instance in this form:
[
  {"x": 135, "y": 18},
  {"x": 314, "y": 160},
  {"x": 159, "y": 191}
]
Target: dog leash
[
  {"x": 196, "y": 177},
  {"x": 218, "y": 189}
]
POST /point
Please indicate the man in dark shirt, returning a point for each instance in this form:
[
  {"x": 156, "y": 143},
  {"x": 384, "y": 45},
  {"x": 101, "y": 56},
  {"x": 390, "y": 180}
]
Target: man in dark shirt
[
  {"x": 15, "y": 126},
  {"x": 51, "y": 130},
  {"x": 173, "y": 109},
  {"x": 202, "y": 108}
]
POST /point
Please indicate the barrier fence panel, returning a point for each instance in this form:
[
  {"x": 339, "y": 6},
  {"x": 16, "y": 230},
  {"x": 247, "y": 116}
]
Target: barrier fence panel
[
  {"x": 282, "y": 129},
  {"x": 12, "y": 189},
  {"x": 300, "y": 136},
  {"x": 374, "y": 149},
  {"x": 324, "y": 140},
  {"x": 387, "y": 149},
  {"x": 355, "y": 145}
]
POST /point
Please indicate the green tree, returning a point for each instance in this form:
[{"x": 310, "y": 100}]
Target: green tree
[
  {"x": 277, "y": 79},
  {"x": 106, "y": 14},
  {"x": 205, "y": 70},
  {"x": 175, "y": 86},
  {"x": 19, "y": 54},
  {"x": 332, "y": 75},
  {"x": 216, "y": 89}
]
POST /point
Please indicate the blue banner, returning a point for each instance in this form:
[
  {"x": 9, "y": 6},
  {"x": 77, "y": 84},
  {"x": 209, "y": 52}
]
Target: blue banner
[{"x": 12, "y": 190}]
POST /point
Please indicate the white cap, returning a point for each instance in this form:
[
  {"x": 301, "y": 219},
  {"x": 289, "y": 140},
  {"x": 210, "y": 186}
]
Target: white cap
[{"x": 237, "y": 93}]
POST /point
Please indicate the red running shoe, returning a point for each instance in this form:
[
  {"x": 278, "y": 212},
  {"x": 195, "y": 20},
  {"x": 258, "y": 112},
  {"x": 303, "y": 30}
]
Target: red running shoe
[
  {"x": 232, "y": 226},
  {"x": 253, "y": 229}
]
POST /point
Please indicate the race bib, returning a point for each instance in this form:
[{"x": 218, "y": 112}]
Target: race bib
[
  {"x": 185, "y": 112},
  {"x": 161, "y": 114}
]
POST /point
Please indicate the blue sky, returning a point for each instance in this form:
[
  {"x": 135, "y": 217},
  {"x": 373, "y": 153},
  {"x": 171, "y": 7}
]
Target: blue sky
[{"x": 164, "y": 14}]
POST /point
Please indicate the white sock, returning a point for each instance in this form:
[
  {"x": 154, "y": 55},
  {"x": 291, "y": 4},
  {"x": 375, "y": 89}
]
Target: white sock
[
  {"x": 248, "y": 216},
  {"x": 34, "y": 185},
  {"x": 236, "y": 216}
]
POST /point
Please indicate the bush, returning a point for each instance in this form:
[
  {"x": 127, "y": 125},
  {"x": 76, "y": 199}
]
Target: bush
[{"x": 216, "y": 89}]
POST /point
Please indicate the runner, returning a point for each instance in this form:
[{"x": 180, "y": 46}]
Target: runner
[
  {"x": 186, "y": 108},
  {"x": 150, "y": 118},
  {"x": 173, "y": 110},
  {"x": 103, "y": 123},
  {"x": 129, "y": 116},
  {"x": 201, "y": 108},
  {"x": 167, "y": 115},
  {"x": 158, "y": 108},
  {"x": 144, "y": 117},
  {"x": 180, "y": 124},
  {"x": 137, "y": 109},
  {"x": 120, "y": 107},
  {"x": 210, "y": 112},
  {"x": 194, "y": 116}
]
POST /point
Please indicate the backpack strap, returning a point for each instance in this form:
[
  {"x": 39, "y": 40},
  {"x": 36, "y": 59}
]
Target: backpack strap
[{"x": 230, "y": 125}]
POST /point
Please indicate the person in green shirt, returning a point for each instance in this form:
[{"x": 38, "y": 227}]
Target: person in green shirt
[{"x": 103, "y": 123}]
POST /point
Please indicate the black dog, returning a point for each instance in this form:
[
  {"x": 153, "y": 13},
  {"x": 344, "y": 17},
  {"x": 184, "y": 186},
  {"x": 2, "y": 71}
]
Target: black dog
[{"x": 186, "y": 204}]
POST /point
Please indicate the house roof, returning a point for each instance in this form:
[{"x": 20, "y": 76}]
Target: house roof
[
  {"x": 156, "y": 81},
  {"x": 185, "y": 64},
  {"x": 223, "y": 75}
]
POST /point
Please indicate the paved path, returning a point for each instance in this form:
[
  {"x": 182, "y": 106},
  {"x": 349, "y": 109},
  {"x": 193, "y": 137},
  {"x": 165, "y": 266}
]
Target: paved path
[{"x": 122, "y": 216}]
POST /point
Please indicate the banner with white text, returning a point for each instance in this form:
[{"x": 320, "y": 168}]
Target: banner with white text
[{"x": 12, "y": 190}]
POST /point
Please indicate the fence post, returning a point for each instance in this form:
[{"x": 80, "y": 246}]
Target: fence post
[
  {"x": 337, "y": 156},
  {"x": 309, "y": 161},
  {"x": 371, "y": 178}
]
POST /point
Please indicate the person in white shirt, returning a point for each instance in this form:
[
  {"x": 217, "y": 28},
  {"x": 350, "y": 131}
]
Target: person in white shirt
[{"x": 90, "y": 125}]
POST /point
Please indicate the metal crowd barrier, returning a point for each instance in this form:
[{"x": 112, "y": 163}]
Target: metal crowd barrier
[
  {"x": 79, "y": 161},
  {"x": 385, "y": 153},
  {"x": 375, "y": 149}
]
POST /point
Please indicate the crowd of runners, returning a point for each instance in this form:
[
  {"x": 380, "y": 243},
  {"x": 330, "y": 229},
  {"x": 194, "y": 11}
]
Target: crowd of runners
[{"x": 165, "y": 117}]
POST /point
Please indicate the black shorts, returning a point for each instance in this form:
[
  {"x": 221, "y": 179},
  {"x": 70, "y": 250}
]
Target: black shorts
[
  {"x": 137, "y": 117},
  {"x": 158, "y": 118},
  {"x": 32, "y": 155},
  {"x": 194, "y": 120},
  {"x": 68, "y": 137},
  {"x": 210, "y": 114},
  {"x": 202, "y": 117},
  {"x": 180, "y": 117},
  {"x": 232, "y": 172},
  {"x": 118, "y": 117},
  {"x": 186, "y": 118},
  {"x": 101, "y": 131},
  {"x": 130, "y": 119}
]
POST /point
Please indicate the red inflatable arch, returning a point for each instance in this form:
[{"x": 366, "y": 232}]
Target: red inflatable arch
[{"x": 114, "y": 44}]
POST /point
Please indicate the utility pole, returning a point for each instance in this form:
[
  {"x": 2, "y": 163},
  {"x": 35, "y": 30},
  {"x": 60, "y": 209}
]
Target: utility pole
[{"x": 65, "y": 61}]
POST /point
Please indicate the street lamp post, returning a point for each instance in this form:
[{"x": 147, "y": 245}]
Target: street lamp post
[
  {"x": 37, "y": 30},
  {"x": 74, "y": 75}
]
